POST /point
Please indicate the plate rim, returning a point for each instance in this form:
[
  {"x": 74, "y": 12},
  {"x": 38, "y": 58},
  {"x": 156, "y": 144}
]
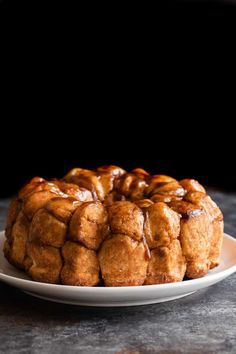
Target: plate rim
[{"x": 75, "y": 288}]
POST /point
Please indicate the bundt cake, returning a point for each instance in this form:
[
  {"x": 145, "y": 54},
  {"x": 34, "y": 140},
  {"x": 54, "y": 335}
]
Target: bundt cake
[{"x": 114, "y": 228}]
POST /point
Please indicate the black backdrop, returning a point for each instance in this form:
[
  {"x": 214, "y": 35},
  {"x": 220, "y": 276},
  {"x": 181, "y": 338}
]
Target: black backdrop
[
  {"x": 54, "y": 151},
  {"x": 164, "y": 101}
]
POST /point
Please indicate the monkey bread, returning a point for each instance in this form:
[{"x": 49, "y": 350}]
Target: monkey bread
[{"x": 114, "y": 228}]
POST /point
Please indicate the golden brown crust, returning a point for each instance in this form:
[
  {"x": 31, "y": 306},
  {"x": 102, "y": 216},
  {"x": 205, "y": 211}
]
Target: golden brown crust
[
  {"x": 143, "y": 203},
  {"x": 132, "y": 185},
  {"x": 36, "y": 185},
  {"x": 126, "y": 218},
  {"x": 216, "y": 219},
  {"x": 191, "y": 185},
  {"x": 15, "y": 246},
  {"x": 167, "y": 264},
  {"x": 162, "y": 225},
  {"x": 168, "y": 189},
  {"x": 216, "y": 243},
  {"x": 62, "y": 208},
  {"x": 73, "y": 191},
  {"x": 81, "y": 265},
  {"x": 92, "y": 181},
  {"x": 165, "y": 198},
  {"x": 89, "y": 224},
  {"x": 205, "y": 202},
  {"x": 35, "y": 202},
  {"x": 157, "y": 180},
  {"x": 43, "y": 263},
  {"x": 186, "y": 210},
  {"x": 123, "y": 261},
  {"x": 47, "y": 230},
  {"x": 195, "y": 237}
]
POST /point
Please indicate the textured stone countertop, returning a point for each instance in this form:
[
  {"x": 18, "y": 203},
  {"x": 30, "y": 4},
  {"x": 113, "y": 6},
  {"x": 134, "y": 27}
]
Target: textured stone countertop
[{"x": 204, "y": 322}]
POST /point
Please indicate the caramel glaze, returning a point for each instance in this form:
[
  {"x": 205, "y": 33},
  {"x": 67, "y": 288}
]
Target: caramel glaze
[
  {"x": 108, "y": 203},
  {"x": 147, "y": 250},
  {"x": 186, "y": 210}
]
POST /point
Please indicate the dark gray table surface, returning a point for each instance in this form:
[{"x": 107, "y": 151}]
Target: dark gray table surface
[{"x": 204, "y": 322}]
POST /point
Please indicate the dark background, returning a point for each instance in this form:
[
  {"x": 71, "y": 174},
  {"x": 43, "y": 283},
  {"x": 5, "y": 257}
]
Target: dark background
[{"x": 155, "y": 90}]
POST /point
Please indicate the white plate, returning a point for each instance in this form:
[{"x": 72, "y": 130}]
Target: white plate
[{"x": 118, "y": 296}]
